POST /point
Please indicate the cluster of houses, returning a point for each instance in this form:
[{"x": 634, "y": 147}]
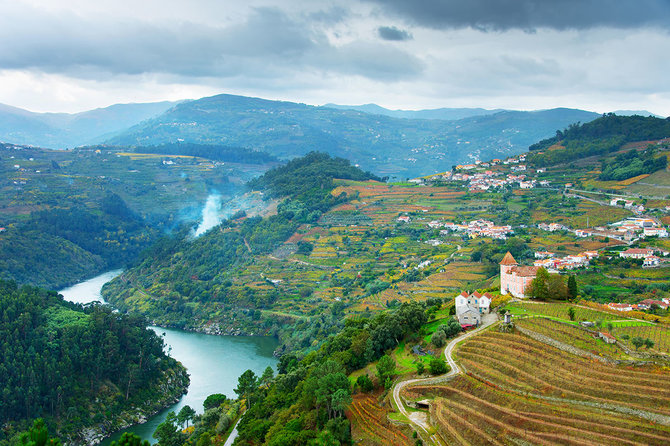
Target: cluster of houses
[
  {"x": 627, "y": 230},
  {"x": 549, "y": 261},
  {"x": 474, "y": 229},
  {"x": 647, "y": 227},
  {"x": 648, "y": 255},
  {"x": 552, "y": 227},
  {"x": 493, "y": 162},
  {"x": 627, "y": 204},
  {"x": 471, "y": 307},
  {"x": 483, "y": 181},
  {"x": 640, "y": 306}
]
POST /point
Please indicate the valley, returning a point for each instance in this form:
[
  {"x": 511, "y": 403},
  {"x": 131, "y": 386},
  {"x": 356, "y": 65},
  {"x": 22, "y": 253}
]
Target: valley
[{"x": 348, "y": 272}]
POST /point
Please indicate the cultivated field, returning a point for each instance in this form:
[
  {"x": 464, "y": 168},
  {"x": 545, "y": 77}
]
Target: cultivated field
[
  {"x": 516, "y": 363},
  {"x": 520, "y": 391},
  {"x": 370, "y": 425}
]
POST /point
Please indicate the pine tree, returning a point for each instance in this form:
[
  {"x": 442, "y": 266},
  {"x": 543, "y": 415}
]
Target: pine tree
[{"x": 572, "y": 287}]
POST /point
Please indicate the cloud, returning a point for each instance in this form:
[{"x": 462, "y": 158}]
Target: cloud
[
  {"x": 393, "y": 33},
  {"x": 266, "y": 43},
  {"x": 500, "y": 15}
]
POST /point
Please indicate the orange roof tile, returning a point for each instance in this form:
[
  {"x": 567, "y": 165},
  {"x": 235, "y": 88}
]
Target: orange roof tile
[{"x": 508, "y": 259}]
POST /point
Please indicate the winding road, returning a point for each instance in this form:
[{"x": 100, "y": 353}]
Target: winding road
[{"x": 419, "y": 420}]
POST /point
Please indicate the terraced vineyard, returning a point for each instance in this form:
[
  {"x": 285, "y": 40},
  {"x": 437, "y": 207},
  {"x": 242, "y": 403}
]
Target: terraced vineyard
[
  {"x": 572, "y": 335},
  {"x": 560, "y": 310},
  {"x": 370, "y": 426},
  {"x": 659, "y": 334},
  {"x": 516, "y": 363},
  {"x": 470, "y": 412},
  {"x": 520, "y": 391}
]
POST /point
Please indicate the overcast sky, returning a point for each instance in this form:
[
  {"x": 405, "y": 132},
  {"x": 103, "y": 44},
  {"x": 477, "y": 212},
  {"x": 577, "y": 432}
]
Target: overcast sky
[{"x": 601, "y": 55}]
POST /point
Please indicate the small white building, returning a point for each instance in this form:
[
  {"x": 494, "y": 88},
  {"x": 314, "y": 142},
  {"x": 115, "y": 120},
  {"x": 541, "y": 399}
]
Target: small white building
[
  {"x": 470, "y": 307},
  {"x": 658, "y": 232},
  {"x": 651, "y": 261}
]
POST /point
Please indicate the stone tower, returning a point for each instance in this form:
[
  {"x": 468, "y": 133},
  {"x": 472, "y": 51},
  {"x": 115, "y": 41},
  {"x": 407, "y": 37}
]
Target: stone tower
[{"x": 506, "y": 266}]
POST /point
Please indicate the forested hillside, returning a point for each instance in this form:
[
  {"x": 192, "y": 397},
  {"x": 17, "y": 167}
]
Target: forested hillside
[
  {"x": 213, "y": 152},
  {"x": 68, "y": 215},
  {"x": 305, "y": 403},
  {"x": 599, "y": 137},
  {"x": 84, "y": 240},
  {"x": 183, "y": 282},
  {"x": 77, "y": 366}
]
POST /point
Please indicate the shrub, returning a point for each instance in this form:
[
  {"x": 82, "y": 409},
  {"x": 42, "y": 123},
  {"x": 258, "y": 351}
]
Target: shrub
[
  {"x": 438, "y": 366},
  {"x": 365, "y": 383}
]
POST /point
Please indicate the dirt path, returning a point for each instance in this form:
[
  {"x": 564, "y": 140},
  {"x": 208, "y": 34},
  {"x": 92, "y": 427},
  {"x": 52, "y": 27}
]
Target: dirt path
[{"x": 419, "y": 420}]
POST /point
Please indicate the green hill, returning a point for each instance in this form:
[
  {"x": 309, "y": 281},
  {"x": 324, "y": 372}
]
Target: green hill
[{"x": 602, "y": 136}]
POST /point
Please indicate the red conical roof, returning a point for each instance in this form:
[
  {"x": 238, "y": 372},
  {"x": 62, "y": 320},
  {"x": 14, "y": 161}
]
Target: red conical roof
[{"x": 508, "y": 259}]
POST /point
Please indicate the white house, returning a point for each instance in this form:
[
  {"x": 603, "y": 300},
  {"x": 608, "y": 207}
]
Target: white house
[
  {"x": 659, "y": 232},
  {"x": 470, "y": 307},
  {"x": 651, "y": 261},
  {"x": 636, "y": 253}
]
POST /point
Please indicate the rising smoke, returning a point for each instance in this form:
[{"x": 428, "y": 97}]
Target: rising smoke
[{"x": 210, "y": 214}]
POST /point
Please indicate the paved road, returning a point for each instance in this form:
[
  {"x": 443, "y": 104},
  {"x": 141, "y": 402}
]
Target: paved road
[{"x": 419, "y": 420}]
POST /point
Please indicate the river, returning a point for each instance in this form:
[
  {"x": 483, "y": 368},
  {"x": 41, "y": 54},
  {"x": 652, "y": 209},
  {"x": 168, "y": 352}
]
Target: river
[{"x": 213, "y": 362}]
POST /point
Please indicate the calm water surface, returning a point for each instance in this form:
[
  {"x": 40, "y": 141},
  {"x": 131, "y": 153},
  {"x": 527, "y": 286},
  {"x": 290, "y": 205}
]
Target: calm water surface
[{"x": 214, "y": 362}]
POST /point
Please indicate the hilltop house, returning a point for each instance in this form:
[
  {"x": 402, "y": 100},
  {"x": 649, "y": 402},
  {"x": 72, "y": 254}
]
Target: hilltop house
[{"x": 514, "y": 279}]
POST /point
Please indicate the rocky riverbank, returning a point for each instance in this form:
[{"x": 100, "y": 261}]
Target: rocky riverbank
[{"x": 168, "y": 390}]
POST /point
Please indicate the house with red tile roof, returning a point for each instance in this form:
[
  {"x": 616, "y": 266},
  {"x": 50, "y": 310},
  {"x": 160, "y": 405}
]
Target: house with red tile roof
[{"x": 515, "y": 279}]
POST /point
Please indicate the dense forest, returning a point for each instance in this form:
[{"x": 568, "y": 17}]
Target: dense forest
[
  {"x": 599, "y": 137},
  {"x": 76, "y": 366},
  {"x": 212, "y": 152},
  {"x": 86, "y": 239}
]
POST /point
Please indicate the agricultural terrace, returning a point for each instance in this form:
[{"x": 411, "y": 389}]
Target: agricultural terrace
[
  {"x": 573, "y": 335},
  {"x": 471, "y": 412},
  {"x": 514, "y": 363},
  {"x": 370, "y": 424},
  {"x": 620, "y": 325},
  {"x": 558, "y": 310},
  {"x": 509, "y": 394}
]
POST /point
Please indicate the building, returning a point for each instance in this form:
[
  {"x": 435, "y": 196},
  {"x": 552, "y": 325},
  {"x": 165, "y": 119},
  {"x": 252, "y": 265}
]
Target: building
[
  {"x": 620, "y": 307},
  {"x": 657, "y": 232},
  {"x": 608, "y": 338},
  {"x": 651, "y": 261},
  {"x": 514, "y": 279},
  {"x": 470, "y": 307},
  {"x": 636, "y": 253}
]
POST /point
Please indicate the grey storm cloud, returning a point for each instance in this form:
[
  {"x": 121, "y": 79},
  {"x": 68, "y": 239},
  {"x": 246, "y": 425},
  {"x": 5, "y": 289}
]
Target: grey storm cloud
[
  {"x": 500, "y": 15},
  {"x": 393, "y": 33},
  {"x": 268, "y": 42}
]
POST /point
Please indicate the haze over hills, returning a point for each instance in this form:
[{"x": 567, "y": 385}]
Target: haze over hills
[
  {"x": 65, "y": 130},
  {"x": 447, "y": 114},
  {"x": 636, "y": 112},
  {"x": 388, "y": 146}
]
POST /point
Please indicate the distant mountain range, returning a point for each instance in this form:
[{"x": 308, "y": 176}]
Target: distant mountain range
[
  {"x": 388, "y": 146},
  {"x": 65, "y": 130},
  {"x": 395, "y": 143}
]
